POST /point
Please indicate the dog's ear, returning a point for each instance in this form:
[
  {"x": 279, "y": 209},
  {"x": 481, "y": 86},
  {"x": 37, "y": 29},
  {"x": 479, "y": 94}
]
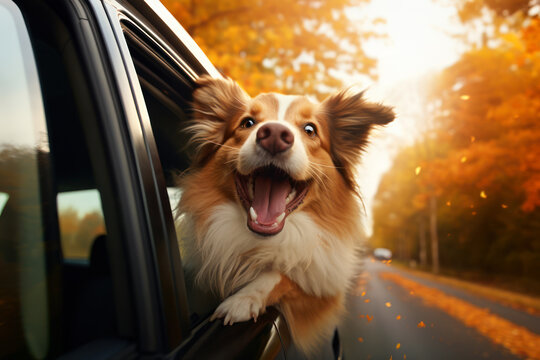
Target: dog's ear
[
  {"x": 216, "y": 102},
  {"x": 350, "y": 119}
]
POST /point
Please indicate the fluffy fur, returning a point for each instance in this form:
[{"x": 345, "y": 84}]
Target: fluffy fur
[{"x": 304, "y": 261}]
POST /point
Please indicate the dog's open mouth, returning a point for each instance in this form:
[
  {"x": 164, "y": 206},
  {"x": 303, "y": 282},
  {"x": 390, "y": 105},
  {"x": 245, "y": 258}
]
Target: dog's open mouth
[{"x": 269, "y": 195}]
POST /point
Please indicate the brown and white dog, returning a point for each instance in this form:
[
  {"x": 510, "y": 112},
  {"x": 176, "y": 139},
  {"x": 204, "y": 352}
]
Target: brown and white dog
[{"x": 270, "y": 207}]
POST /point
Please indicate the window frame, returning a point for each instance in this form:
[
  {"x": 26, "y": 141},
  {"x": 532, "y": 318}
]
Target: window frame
[{"x": 169, "y": 306}]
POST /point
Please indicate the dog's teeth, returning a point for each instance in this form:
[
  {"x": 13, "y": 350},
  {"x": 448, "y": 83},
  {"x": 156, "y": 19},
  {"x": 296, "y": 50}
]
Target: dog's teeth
[
  {"x": 274, "y": 225},
  {"x": 291, "y": 196},
  {"x": 253, "y": 214},
  {"x": 280, "y": 217}
]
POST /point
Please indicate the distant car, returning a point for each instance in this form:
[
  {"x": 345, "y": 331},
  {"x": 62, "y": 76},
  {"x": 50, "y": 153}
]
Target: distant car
[
  {"x": 92, "y": 97},
  {"x": 382, "y": 254}
]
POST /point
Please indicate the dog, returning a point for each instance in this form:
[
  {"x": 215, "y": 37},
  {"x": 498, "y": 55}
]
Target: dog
[{"x": 270, "y": 207}]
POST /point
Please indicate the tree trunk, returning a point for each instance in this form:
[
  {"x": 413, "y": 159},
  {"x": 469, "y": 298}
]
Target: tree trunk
[
  {"x": 433, "y": 233},
  {"x": 422, "y": 242}
]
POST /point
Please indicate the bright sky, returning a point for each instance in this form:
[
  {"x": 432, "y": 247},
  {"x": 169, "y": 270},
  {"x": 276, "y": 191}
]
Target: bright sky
[{"x": 418, "y": 44}]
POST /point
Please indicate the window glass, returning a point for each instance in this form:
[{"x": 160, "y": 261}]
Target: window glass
[
  {"x": 174, "y": 197},
  {"x": 81, "y": 222},
  {"x": 56, "y": 292},
  {"x": 23, "y": 281},
  {"x": 3, "y": 200}
]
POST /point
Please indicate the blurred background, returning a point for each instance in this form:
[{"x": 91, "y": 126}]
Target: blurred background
[{"x": 453, "y": 185}]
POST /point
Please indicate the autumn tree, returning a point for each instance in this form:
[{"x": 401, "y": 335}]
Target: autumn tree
[
  {"x": 486, "y": 168},
  {"x": 78, "y": 234},
  {"x": 276, "y": 45}
]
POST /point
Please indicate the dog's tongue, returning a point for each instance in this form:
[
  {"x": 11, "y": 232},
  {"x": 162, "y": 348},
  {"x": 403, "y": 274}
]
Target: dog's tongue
[{"x": 269, "y": 198}]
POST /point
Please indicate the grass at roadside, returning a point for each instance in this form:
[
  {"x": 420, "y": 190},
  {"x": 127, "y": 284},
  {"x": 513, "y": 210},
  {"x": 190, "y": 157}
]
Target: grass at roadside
[{"x": 530, "y": 304}]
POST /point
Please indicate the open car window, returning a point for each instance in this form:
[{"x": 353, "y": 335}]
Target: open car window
[{"x": 167, "y": 89}]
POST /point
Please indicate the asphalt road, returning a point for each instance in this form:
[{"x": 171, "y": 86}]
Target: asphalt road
[{"x": 387, "y": 315}]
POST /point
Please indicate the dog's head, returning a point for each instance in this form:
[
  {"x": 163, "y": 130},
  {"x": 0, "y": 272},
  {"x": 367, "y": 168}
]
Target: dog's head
[{"x": 280, "y": 152}]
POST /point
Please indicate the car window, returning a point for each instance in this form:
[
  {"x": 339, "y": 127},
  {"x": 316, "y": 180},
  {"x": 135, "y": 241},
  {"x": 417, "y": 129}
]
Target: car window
[
  {"x": 24, "y": 305},
  {"x": 167, "y": 89},
  {"x": 56, "y": 280},
  {"x": 81, "y": 222}
]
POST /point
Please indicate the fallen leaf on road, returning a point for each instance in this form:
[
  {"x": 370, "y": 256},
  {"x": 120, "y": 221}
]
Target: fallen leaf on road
[
  {"x": 517, "y": 339},
  {"x": 367, "y": 300},
  {"x": 398, "y": 317},
  {"x": 363, "y": 293},
  {"x": 388, "y": 304},
  {"x": 398, "y": 345},
  {"x": 360, "y": 339},
  {"x": 369, "y": 318}
]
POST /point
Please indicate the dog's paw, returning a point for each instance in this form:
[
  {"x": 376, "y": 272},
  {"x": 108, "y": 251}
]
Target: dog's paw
[{"x": 238, "y": 308}]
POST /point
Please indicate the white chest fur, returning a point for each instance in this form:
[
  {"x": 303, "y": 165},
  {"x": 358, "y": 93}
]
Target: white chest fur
[{"x": 227, "y": 255}]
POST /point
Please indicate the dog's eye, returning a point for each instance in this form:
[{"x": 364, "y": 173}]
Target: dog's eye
[
  {"x": 248, "y": 122},
  {"x": 310, "y": 129}
]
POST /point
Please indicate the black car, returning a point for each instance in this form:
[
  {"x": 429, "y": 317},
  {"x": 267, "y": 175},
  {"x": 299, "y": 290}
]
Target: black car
[{"x": 93, "y": 94}]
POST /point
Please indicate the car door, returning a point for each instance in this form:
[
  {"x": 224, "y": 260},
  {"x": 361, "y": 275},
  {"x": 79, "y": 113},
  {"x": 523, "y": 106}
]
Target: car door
[{"x": 160, "y": 64}]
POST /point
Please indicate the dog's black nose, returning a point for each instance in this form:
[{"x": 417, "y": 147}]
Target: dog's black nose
[{"x": 275, "y": 138}]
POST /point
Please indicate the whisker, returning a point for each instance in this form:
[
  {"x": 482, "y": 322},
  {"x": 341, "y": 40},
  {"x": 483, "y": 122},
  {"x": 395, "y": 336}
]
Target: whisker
[
  {"x": 328, "y": 166},
  {"x": 317, "y": 175},
  {"x": 221, "y": 145}
]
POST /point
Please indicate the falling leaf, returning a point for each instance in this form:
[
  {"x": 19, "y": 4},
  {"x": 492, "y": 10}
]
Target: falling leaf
[
  {"x": 398, "y": 345},
  {"x": 448, "y": 203},
  {"x": 360, "y": 339},
  {"x": 363, "y": 293},
  {"x": 465, "y": 97},
  {"x": 369, "y": 318},
  {"x": 388, "y": 304},
  {"x": 418, "y": 169},
  {"x": 473, "y": 213},
  {"x": 398, "y": 317},
  {"x": 367, "y": 300},
  {"x": 473, "y": 139},
  {"x": 504, "y": 206},
  {"x": 483, "y": 194},
  {"x": 463, "y": 159},
  {"x": 421, "y": 324}
]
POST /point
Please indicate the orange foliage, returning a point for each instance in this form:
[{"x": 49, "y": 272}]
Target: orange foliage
[
  {"x": 276, "y": 45},
  {"x": 480, "y": 160}
]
